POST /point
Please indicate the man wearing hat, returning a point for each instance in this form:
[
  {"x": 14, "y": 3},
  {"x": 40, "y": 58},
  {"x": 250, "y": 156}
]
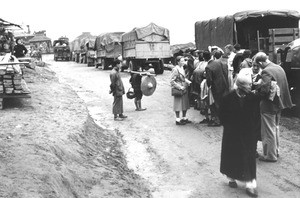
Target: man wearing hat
[
  {"x": 275, "y": 94},
  {"x": 117, "y": 90}
]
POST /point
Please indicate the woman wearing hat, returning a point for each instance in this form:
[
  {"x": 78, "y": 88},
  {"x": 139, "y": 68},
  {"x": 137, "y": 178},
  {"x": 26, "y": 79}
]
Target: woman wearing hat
[
  {"x": 178, "y": 81},
  {"x": 238, "y": 159}
]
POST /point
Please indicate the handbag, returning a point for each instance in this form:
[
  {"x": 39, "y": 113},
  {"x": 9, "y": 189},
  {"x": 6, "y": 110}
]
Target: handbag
[
  {"x": 177, "y": 92},
  {"x": 130, "y": 93}
]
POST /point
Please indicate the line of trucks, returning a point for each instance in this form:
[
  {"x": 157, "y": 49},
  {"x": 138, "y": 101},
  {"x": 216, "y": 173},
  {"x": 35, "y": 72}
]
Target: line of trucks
[
  {"x": 272, "y": 31},
  {"x": 148, "y": 45}
]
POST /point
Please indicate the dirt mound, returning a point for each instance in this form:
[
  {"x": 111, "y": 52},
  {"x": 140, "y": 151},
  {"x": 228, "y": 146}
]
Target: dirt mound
[{"x": 50, "y": 147}]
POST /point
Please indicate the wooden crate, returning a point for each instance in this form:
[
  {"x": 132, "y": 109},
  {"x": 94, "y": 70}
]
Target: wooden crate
[
  {"x": 281, "y": 37},
  {"x": 146, "y": 50}
]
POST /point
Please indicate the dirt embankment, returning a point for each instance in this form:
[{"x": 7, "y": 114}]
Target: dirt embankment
[{"x": 50, "y": 147}]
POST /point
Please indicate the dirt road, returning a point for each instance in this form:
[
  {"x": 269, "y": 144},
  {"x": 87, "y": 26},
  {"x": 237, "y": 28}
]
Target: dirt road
[{"x": 177, "y": 161}]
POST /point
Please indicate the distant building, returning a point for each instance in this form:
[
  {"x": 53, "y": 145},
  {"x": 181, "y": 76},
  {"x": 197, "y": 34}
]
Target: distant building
[{"x": 41, "y": 42}]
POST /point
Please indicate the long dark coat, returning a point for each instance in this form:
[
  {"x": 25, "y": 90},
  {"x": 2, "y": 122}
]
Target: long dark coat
[
  {"x": 217, "y": 78},
  {"x": 238, "y": 159}
]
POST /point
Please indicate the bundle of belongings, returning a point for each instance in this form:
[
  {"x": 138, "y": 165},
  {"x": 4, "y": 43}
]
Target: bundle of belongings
[
  {"x": 6, "y": 41},
  {"x": 11, "y": 81}
]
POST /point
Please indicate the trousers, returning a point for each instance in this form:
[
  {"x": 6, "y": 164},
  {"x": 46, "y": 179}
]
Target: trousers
[
  {"x": 270, "y": 134},
  {"x": 117, "y": 105}
]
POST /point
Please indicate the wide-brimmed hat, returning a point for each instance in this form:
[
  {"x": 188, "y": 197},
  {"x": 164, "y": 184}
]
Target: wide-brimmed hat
[{"x": 148, "y": 85}]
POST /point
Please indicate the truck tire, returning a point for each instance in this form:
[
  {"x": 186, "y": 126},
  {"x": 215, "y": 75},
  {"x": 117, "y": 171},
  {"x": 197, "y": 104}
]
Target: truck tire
[
  {"x": 131, "y": 65},
  {"x": 104, "y": 64},
  {"x": 162, "y": 67},
  {"x": 159, "y": 67}
]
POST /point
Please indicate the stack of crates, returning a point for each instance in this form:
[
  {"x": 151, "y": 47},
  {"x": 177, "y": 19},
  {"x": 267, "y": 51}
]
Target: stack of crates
[{"x": 10, "y": 82}]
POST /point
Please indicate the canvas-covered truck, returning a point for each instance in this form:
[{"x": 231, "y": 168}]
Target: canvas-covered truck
[
  {"x": 88, "y": 51},
  {"x": 82, "y": 46},
  {"x": 254, "y": 30},
  {"x": 269, "y": 31},
  {"x": 61, "y": 49},
  {"x": 108, "y": 47},
  {"x": 148, "y": 45}
]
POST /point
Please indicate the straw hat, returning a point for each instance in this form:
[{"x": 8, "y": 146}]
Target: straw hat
[{"x": 148, "y": 85}]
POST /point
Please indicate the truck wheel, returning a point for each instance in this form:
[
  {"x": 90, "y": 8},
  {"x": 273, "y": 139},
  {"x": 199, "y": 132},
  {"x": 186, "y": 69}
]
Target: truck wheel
[
  {"x": 103, "y": 63},
  {"x": 159, "y": 67},
  {"x": 131, "y": 65}
]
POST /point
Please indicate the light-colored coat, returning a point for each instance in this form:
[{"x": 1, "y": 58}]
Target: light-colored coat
[{"x": 181, "y": 103}]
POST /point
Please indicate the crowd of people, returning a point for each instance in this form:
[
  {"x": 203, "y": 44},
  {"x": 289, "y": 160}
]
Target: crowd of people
[{"x": 242, "y": 91}]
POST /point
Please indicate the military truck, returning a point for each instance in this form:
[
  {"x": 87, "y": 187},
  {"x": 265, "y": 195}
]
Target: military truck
[
  {"x": 147, "y": 45},
  {"x": 270, "y": 31},
  {"x": 290, "y": 61},
  {"x": 255, "y": 30},
  {"x": 108, "y": 47},
  {"x": 61, "y": 49}
]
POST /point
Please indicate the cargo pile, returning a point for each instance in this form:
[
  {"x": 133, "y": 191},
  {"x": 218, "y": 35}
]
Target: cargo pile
[
  {"x": 6, "y": 41},
  {"x": 11, "y": 81}
]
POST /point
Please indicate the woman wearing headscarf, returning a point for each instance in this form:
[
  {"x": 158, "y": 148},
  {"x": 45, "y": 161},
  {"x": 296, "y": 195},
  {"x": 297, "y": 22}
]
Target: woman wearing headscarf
[
  {"x": 238, "y": 160},
  {"x": 19, "y": 49},
  {"x": 179, "y": 81},
  {"x": 255, "y": 73}
]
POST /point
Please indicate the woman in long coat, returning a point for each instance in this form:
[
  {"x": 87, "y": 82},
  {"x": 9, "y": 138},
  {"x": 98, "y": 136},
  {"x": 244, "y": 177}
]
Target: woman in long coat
[
  {"x": 178, "y": 81},
  {"x": 238, "y": 161}
]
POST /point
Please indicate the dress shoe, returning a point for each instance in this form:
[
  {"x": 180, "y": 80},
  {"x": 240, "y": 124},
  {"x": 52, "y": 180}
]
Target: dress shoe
[
  {"x": 232, "y": 184},
  {"x": 186, "y": 121},
  {"x": 141, "y": 109},
  {"x": 213, "y": 124},
  {"x": 122, "y": 116},
  {"x": 252, "y": 192},
  {"x": 180, "y": 122},
  {"x": 118, "y": 119},
  {"x": 204, "y": 121},
  {"x": 261, "y": 158}
]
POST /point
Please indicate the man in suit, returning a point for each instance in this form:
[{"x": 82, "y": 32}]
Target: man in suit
[
  {"x": 117, "y": 90},
  {"x": 217, "y": 79},
  {"x": 275, "y": 94}
]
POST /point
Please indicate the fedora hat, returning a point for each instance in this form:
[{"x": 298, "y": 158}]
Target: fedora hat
[{"x": 148, "y": 85}]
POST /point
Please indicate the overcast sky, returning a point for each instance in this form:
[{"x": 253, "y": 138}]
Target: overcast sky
[{"x": 71, "y": 18}]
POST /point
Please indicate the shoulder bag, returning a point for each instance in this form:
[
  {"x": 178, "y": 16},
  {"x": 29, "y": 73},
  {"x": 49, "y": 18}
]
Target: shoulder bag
[{"x": 177, "y": 92}]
